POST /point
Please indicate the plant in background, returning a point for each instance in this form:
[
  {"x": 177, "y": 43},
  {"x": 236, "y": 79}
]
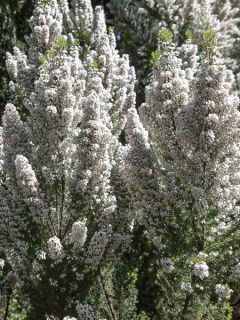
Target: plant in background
[
  {"x": 138, "y": 24},
  {"x": 13, "y": 27}
]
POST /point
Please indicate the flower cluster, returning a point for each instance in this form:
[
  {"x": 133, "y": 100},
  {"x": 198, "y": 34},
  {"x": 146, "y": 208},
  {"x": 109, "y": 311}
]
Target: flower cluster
[
  {"x": 78, "y": 234},
  {"x": 55, "y": 248},
  {"x": 221, "y": 290},
  {"x": 85, "y": 311},
  {"x": 201, "y": 270}
]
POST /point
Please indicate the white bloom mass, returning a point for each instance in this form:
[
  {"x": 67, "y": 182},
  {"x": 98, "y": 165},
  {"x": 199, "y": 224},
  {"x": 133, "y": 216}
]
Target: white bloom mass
[
  {"x": 41, "y": 255},
  {"x": 85, "y": 311},
  {"x": 78, "y": 234},
  {"x": 186, "y": 287},
  {"x": 201, "y": 270},
  {"x": 55, "y": 248},
  {"x": 221, "y": 290}
]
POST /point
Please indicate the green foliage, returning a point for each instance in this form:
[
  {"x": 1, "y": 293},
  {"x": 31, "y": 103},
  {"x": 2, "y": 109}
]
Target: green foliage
[
  {"x": 110, "y": 29},
  {"x": 143, "y": 316},
  {"x": 209, "y": 42},
  {"x": 154, "y": 58},
  {"x": 42, "y": 59},
  {"x": 83, "y": 37},
  {"x": 165, "y": 38},
  {"x": 115, "y": 292},
  {"x": 60, "y": 43},
  {"x": 15, "y": 312},
  {"x": 125, "y": 292},
  {"x": 165, "y": 35},
  {"x": 46, "y": 2},
  {"x": 229, "y": 312},
  {"x": 127, "y": 37},
  {"x": 189, "y": 34},
  {"x": 95, "y": 64},
  {"x": 50, "y": 54},
  {"x": 75, "y": 42}
]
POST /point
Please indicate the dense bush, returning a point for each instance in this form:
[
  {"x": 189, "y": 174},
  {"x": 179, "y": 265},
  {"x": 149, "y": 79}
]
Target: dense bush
[{"x": 119, "y": 195}]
